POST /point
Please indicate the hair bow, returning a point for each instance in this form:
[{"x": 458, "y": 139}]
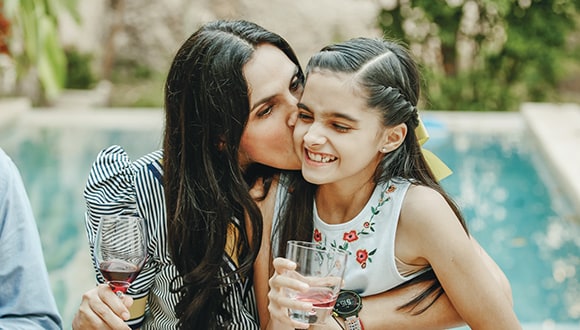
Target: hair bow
[{"x": 437, "y": 166}]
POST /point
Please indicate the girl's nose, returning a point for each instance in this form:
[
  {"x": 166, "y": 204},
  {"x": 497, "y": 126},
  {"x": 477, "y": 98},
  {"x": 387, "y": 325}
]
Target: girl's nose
[{"x": 313, "y": 136}]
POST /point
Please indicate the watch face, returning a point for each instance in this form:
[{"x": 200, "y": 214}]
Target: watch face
[{"x": 347, "y": 302}]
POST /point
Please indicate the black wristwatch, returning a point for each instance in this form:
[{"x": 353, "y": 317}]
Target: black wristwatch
[{"x": 347, "y": 306}]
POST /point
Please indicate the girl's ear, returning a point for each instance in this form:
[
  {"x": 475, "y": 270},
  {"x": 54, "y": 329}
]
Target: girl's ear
[{"x": 394, "y": 137}]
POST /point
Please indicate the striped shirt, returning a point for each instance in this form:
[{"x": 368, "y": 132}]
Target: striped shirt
[{"x": 116, "y": 185}]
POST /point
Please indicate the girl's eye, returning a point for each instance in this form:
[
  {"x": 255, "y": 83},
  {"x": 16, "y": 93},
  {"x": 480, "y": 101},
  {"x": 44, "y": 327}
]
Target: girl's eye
[
  {"x": 341, "y": 128},
  {"x": 304, "y": 116}
]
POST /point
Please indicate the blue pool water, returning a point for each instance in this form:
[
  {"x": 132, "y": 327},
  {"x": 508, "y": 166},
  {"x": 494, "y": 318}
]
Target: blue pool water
[
  {"x": 517, "y": 212},
  {"x": 54, "y": 164},
  {"x": 512, "y": 203}
]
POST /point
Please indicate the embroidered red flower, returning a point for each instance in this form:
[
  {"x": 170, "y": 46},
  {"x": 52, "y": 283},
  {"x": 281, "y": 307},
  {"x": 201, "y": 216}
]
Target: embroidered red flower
[
  {"x": 317, "y": 235},
  {"x": 361, "y": 257},
  {"x": 366, "y": 224},
  {"x": 350, "y": 237},
  {"x": 391, "y": 189}
]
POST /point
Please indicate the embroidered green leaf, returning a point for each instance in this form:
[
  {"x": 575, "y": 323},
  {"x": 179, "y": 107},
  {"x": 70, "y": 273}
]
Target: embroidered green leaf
[{"x": 372, "y": 252}]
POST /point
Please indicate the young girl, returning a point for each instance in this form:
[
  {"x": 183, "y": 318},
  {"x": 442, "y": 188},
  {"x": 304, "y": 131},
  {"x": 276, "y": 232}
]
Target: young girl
[{"x": 371, "y": 192}]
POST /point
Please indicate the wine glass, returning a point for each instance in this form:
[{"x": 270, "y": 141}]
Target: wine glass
[{"x": 120, "y": 250}]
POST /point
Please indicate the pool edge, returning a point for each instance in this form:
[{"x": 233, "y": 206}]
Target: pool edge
[{"x": 556, "y": 129}]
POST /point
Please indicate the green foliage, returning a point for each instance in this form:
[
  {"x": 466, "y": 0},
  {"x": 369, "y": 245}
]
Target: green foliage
[
  {"x": 515, "y": 49},
  {"x": 79, "y": 73},
  {"x": 130, "y": 70},
  {"x": 136, "y": 85},
  {"x": 34, "y": 42}
]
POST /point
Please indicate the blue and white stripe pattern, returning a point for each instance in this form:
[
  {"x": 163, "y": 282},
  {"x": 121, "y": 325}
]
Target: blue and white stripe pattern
[{"x": 116, "y": 185}]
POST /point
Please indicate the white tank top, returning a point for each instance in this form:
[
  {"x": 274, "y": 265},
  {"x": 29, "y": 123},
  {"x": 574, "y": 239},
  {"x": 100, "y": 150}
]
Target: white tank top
[{"x": 369, "y": 239}]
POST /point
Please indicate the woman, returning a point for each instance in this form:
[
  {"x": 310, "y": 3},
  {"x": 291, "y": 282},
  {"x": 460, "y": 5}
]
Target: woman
[
  {"x": 367, "y": 189},
  {"x": 230, "y": 102}
]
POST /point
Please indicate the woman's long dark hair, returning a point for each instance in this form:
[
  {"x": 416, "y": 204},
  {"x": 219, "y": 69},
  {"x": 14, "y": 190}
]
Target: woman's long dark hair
[
  {"x": 389, "y": 76},
  {"x": 207, "y": 108}
]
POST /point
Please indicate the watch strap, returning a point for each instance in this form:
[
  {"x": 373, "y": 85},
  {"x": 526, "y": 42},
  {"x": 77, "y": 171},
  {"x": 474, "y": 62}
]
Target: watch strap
[{"x": 353, "y": 323}]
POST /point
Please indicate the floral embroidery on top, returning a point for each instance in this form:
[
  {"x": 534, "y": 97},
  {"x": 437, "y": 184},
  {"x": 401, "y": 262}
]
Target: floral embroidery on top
[
  {"x": 317, "y": 235},
  {"x": 350, "y": 237},
  {"x": 363, "y": 256}
]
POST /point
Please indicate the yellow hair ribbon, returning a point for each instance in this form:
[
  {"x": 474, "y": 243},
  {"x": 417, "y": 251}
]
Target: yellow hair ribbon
[{"x": 437, "y": 166}]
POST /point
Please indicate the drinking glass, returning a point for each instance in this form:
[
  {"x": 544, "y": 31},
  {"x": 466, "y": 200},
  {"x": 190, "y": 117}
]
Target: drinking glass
[
  {"x": 120, "y": 250},
  {"x": 322, "y": 268}
]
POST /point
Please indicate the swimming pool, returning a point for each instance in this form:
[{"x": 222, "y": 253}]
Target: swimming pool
[
  {"x": 512, "y": 202},
  {"x": 54, "y": 151},
  {"x": 515, "y": 209}
]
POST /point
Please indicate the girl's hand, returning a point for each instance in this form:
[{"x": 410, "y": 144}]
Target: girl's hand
[{"x": 279, "y": 301}]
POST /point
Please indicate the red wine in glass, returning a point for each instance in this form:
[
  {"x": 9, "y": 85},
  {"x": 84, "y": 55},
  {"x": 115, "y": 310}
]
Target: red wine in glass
[
  {"x": 120, "y": 250},
  {"x": 120, "y": 274}
]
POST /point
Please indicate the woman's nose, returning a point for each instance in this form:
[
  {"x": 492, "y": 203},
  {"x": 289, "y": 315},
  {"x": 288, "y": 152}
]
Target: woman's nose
[
  {"x": 293, "y": 115},
  {"x": 292, "y": 118}
]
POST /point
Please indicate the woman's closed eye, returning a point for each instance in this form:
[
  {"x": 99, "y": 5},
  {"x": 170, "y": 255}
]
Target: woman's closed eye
[
  {"x": 296, "y": 84},
  {"x": 266, "y": 111}
]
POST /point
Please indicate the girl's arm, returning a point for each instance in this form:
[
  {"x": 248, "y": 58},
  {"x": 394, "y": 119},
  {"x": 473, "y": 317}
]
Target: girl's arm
[{"x": 429, "y": 232}]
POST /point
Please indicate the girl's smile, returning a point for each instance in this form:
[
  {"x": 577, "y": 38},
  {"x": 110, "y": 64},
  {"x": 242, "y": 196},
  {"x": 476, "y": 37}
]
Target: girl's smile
[{"x": 314, "y": 157}]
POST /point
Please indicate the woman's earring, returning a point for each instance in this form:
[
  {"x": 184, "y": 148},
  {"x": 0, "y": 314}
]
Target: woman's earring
[{"x": 384, "y": 150}]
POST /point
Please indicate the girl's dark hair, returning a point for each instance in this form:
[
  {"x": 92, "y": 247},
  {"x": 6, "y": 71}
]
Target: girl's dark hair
[
  {"x": 390, "y": 78},
  {"x": 207, "y": 108}
]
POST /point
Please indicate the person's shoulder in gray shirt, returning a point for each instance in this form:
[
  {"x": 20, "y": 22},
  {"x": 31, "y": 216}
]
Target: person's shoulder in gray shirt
[{"x": 26, "y": 300}]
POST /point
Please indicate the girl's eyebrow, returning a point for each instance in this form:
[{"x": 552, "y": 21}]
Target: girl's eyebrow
[
  {"x": 330, "y": 114},
  {"x": 342, "y": 116},
  {"x": 303, "y": 106}
]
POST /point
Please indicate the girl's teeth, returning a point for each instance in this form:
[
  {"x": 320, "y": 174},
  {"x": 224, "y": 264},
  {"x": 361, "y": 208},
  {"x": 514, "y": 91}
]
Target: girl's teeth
[{"x": 320, "y": 158}]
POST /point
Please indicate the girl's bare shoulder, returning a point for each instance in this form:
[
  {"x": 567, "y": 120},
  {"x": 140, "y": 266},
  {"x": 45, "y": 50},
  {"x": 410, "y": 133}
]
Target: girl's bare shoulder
[{"x": 424, "y": 207}]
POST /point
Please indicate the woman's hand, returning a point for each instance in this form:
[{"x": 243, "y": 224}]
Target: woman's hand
[
  {"x": 101, "y": 308},
  {"x": 279, "y": 301}
]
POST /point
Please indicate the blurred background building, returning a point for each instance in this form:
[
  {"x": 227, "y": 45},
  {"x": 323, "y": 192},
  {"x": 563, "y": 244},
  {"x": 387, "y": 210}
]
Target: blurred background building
[{"x": 475, "y": 54}]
